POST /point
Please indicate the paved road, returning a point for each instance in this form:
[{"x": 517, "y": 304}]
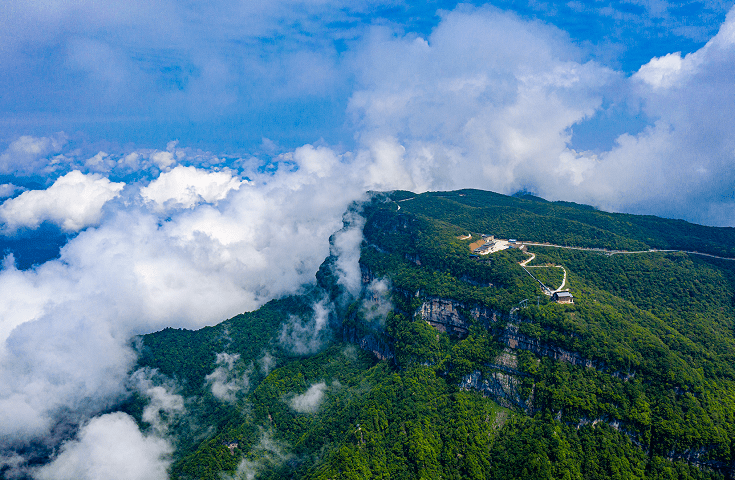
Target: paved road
[
  {"x": 623, "y": 252},
  {"x": 548, "y": 291}
]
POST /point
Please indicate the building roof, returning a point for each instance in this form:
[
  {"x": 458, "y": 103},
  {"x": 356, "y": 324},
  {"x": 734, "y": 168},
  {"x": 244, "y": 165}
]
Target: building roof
[{"x": 563, "y": 294}]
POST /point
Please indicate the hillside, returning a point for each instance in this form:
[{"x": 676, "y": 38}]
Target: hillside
[{"x": 454, "y": 365}]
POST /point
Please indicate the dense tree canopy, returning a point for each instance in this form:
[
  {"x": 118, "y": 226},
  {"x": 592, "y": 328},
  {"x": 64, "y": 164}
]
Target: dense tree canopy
[{"x": 635, "y": 380}]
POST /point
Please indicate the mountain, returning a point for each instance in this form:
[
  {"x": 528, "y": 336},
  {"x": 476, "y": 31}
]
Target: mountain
[{"x": 445, "y": 363}]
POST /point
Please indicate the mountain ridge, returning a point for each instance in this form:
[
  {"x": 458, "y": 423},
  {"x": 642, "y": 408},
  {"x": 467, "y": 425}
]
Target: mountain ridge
[{"x": 635, "y": 379}]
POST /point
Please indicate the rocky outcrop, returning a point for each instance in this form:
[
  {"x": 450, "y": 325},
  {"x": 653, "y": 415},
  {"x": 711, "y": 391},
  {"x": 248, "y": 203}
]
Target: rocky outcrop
[
  {"x": 487, "y": 316},
  {"x": 373, "y": 342},
  {"x": 445, "y": 316},
  {"x": 699, "y": 457},
  {"x": 366, "y": 275},
  {"x": 516, "y": 340},
  {"x": 455, "y": 318},
  {"x": 502, "y": 387}
]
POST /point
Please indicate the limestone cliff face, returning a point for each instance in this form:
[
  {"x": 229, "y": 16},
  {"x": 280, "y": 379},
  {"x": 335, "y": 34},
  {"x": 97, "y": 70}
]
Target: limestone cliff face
[
  {"x": 445, "y": 316},
  {"x": 487, "y": 316},
  {"x": 503, "y": 387},
  {"x": 516, "y": 340},
  {"x": 450, "y": 316},
  {"x": 372, "y": 342}
]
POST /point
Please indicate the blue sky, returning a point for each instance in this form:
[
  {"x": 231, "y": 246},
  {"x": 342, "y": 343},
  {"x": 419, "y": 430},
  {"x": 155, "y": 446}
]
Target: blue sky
[
  {"x": 175, "y": 163},
  {"x": 224, "y": 76}
]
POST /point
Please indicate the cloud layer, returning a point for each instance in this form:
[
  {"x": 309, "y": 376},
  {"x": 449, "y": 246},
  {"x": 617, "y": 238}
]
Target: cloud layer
[
  {"x": 182, "y": 237},
  {"x": 66, "y": 324}
]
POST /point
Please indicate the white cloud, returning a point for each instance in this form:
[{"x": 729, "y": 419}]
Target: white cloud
[
  {"x": 73, "y": 202},
  {"x": 163, "y": 160},
  {"x": 188, "y": 186},
  {"x": 305, "y": 337},
  {"x": 8, "y": 190},
  {"x": 663, "y": 71},
  {"x": 309, "y": 401},
  {"x": 491, "y": 101},
  {"x": 487, "y": 100},
  {"x": 224, "y": 381},
  {"x": 101, "y": 162},
  {"x": 682, "y": 165},
  {"x": 29, "y": 155},
  {"x": 110, "y": 447},
  {"x": 163, "y": 405},
  {"x": 65, "y": 325}
]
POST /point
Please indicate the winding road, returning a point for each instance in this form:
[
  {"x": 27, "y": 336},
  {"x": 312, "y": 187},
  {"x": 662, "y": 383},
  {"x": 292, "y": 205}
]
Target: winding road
[
  {"x": 624, "y": 252},
  {"x": 547, "y": 291}
]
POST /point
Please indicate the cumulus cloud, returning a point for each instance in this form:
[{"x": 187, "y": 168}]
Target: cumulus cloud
[
  {"x": 309, "y": 401},
  {"x": 681, "y": 165},
  {"x": 66, "y": 324},
  {"x": 29, "y": 155},
  {"x": 663, "y": 71},
  {"x": 225, "y": 382},
  {"x": 188, "y": 186},
  {"x": 101, "y": 162},
  {"x": 487, "y": 100},
  {"x": 491, "y": 101},
  {"x": 111, "y": 447},
  {"x": 8, "y": 190},
  {"x": 73, "y": 202}
]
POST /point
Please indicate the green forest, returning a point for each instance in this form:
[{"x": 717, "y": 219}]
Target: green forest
[{"x": 450, "y": 365}]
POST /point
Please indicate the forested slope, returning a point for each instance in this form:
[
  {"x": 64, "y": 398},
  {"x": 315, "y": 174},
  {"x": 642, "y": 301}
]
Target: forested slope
[{"x": 437, "y": 370}]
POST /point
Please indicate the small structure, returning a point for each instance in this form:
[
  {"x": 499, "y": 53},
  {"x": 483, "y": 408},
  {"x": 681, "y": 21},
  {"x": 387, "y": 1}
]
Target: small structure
[
  {"x": 491, "y": 246},
  {"x": 563, "y": 297}
]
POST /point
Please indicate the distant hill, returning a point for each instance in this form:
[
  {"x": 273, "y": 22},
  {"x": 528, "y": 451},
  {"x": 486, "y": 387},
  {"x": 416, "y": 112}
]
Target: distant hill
[{"x": 455, "y": 365}]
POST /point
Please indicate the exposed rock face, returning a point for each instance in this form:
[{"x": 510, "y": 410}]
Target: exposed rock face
[
  {"x": 503, "y": 387},
  {"x": 517, "y": 340},
  {"x": 485, "y": 315},
  {"x": 507, "y": 359},
  {"x": 445, "y": 316},
  {"x": 382, "y": 348},
  {"x": 699, "y": 458},
  {"x": 366, "y": 275},
  {"x": 450, "y": 316}
]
